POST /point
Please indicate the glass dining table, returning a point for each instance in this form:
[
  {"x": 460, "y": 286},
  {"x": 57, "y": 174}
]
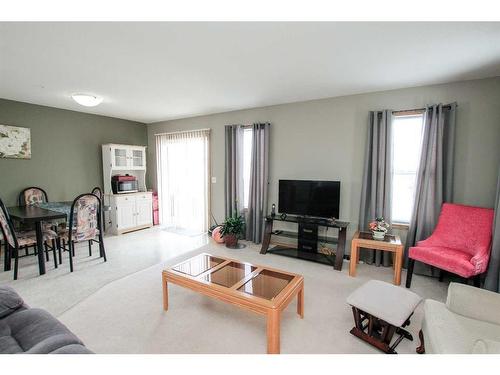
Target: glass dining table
[{"x": 43, "y": 212}]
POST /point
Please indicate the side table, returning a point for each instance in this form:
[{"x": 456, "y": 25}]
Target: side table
[{"x": 390, "y": 243}]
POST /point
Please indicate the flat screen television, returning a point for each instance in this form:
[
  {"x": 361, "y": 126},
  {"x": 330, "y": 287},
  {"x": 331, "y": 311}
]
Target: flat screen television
[{"x": 309, "y": 198}]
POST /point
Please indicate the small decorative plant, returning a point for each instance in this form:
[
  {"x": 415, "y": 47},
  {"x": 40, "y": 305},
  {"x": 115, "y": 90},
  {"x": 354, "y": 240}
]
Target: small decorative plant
[
  {"x": 231, "y": 230},
  {"x": 379, "y": 228}
]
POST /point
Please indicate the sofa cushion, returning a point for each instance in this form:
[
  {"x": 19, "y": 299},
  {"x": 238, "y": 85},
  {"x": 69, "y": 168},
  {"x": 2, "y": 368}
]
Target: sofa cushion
[
  {"x": 10, "y": 301},
  {"x": 72, "y": 349},
  {"x": 448, "y": 333},
  {"x": 36, "y": 331},
  {"x": 448, "y": 259},
  {"x": 8, "y": 344}
]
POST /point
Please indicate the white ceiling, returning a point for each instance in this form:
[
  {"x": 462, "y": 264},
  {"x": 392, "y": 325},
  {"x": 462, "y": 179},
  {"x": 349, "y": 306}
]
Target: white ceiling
[{"x": 157, "y": 71}]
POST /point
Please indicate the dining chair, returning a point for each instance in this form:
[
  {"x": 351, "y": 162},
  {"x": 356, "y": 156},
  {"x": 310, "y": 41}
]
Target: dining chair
[
  {"x": 32, "y": 196},
  {"x": 15, "y": 240},
  {"x": 98, "y": 191},
  {"x": 85, "y": 224}
]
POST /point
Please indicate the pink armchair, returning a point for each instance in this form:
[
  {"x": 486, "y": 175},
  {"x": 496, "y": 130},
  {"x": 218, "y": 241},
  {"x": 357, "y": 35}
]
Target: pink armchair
[{"x": 460, "y": 243}]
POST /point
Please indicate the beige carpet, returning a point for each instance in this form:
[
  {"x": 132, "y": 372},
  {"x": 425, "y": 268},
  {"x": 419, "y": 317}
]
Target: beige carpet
[
  {"x": 59, "y": 289},
  {"x": 126, "y": 316}
]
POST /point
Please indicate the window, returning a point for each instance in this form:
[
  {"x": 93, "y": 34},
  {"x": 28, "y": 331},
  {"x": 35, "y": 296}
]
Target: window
[
  {"x": 407, "y": 141},
  {"x": 247, "y": 160}
]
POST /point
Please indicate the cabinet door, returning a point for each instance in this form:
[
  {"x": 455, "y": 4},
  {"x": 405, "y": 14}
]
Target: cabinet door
[
  {"x": 144, "y": 210},
  {"x": 125, "y": 213},
  {"x": 119, "y": 157},
  {"x": 138, "y": 158}
]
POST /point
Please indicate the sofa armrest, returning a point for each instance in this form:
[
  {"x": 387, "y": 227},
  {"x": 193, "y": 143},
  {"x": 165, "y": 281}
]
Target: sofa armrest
[
  {"x": 474, "y": 303},
  {"x": 484, "y": 346},
  {"x": 10, "y": 301}
]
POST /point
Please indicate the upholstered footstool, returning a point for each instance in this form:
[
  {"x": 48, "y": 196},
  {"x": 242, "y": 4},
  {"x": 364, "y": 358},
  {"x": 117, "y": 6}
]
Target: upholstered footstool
[{"x": 381, "y": 310}]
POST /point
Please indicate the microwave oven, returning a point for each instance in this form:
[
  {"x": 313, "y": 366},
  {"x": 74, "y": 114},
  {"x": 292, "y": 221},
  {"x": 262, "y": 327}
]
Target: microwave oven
[{"x": 124, "y": 184}]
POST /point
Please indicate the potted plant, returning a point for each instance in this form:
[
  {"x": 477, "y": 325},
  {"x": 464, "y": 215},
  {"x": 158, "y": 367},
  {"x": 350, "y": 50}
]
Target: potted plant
[
  {"x": 379, "y": 228},
  {"x": 232, "y": 229}
]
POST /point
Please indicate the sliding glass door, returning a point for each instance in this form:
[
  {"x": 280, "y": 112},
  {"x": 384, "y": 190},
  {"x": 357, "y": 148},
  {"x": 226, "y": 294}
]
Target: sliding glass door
[{"x": 183, "y": 170}]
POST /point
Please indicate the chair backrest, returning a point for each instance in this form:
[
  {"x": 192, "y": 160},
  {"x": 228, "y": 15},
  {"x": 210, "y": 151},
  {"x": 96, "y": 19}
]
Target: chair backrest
[
  {"x": 32, "y": 196},
  {"x": 97, "y": 191},
  {"x": 86, "y": 217},
  {"x": 6, "y": 226},
  {"x": 467, "y": 228}
]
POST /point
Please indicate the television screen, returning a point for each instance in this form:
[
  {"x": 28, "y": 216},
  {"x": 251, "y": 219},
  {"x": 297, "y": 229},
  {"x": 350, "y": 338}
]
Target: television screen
[{"x": 309, "y": 198}]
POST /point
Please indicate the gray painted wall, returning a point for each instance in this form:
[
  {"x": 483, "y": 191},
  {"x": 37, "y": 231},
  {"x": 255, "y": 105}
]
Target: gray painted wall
[
  {"x": 65, "y": 147},
  {"x": 325, "y": 139}
]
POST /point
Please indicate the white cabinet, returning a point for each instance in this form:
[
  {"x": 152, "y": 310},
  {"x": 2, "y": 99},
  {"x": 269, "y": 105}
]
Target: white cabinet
[
  {"x": 126, "y": 212},
  {"x": 125, "y": 157},
  {"x": 131, "y": 212},
  {"x": 144, "y": 210}
]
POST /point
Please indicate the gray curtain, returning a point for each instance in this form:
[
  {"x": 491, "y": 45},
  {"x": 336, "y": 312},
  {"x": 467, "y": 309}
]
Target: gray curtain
[
  {"x": 233, "y": 189},
  {"x": 434, "y": 177},
  {"x": 259, "y": 181},
  {"x": 377, "y": 176},
  {"x": 492, "y": 281}
]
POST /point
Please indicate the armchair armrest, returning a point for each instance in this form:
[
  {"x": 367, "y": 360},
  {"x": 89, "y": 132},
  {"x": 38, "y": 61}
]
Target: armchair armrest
[
  {"x": 474, "y": 303},
  {"x": 480, "y": 261}
]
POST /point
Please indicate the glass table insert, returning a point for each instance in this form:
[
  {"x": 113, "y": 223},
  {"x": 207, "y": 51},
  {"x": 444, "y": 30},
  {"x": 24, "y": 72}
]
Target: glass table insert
[
  {"x": 230, "y": 274},
  {"x": 199, "y": 264},
  {"x": 266, "y": 284}
]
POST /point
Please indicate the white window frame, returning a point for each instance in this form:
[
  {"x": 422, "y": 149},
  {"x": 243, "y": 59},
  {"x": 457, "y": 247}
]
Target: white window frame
[{"x": 398, "y": 222}]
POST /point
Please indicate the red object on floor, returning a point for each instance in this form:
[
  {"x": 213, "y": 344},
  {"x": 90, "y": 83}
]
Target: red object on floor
[
  {"x": 217, "y": 235},
  {"x": 461, "y": 241},
  {"x": 156, "y": 212}
]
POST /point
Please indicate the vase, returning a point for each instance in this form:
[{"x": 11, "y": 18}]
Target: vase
[
  {"x": 231, "y": 240},
  {"x": 378, "y": 235}
]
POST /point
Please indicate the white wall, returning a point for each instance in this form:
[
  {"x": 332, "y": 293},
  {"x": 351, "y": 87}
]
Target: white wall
[{"x": 326, "y": 139}]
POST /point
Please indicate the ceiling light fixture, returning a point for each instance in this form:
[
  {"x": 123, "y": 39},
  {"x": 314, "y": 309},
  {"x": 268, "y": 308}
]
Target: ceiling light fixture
[{"x": 87, "y": 100}]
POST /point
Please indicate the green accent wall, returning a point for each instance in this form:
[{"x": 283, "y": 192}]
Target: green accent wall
[{"x": 65, "y": 149}]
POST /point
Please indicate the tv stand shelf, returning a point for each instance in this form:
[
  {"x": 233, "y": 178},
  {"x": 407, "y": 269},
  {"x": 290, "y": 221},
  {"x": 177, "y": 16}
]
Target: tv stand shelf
[{"x": 307, "y": 236}]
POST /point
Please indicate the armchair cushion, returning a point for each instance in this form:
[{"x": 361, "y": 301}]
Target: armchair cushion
[
  {"x": 474, "y": 303},
  {"x": 10, "y": 301},
  {"x": 446, "y": 258}
]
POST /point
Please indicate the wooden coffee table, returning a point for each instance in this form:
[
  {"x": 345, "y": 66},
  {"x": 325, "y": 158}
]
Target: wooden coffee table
[
  {"x": 260, "y": 289},
  {"x": 390, "y": 243}
]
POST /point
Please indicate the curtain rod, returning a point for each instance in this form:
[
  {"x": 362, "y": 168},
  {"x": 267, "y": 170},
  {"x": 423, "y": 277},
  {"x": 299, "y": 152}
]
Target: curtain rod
[
  {"x": 418, "y": 110},
  {"x": 183, "y": 131}
]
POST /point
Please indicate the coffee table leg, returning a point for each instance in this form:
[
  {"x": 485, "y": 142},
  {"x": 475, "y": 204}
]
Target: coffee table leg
[
  {"x": 273, "y": 331},
  {"x": 300, "y": 302},
  {"x": 165, "y": 293}
]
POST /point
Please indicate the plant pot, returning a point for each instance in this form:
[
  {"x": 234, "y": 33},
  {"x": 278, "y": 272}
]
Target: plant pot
[
  {"x": 231, "y": 240},
  {"x": 378, "y": 235}
]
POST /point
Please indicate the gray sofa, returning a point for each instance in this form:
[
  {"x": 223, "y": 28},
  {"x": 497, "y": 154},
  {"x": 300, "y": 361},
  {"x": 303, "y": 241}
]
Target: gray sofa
[
  {"x": 28, "y": 330},
  {"x": 469, "y": 322}
]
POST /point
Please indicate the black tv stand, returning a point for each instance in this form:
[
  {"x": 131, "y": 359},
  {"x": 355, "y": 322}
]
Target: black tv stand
[{"x": 307, "y": 239}]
